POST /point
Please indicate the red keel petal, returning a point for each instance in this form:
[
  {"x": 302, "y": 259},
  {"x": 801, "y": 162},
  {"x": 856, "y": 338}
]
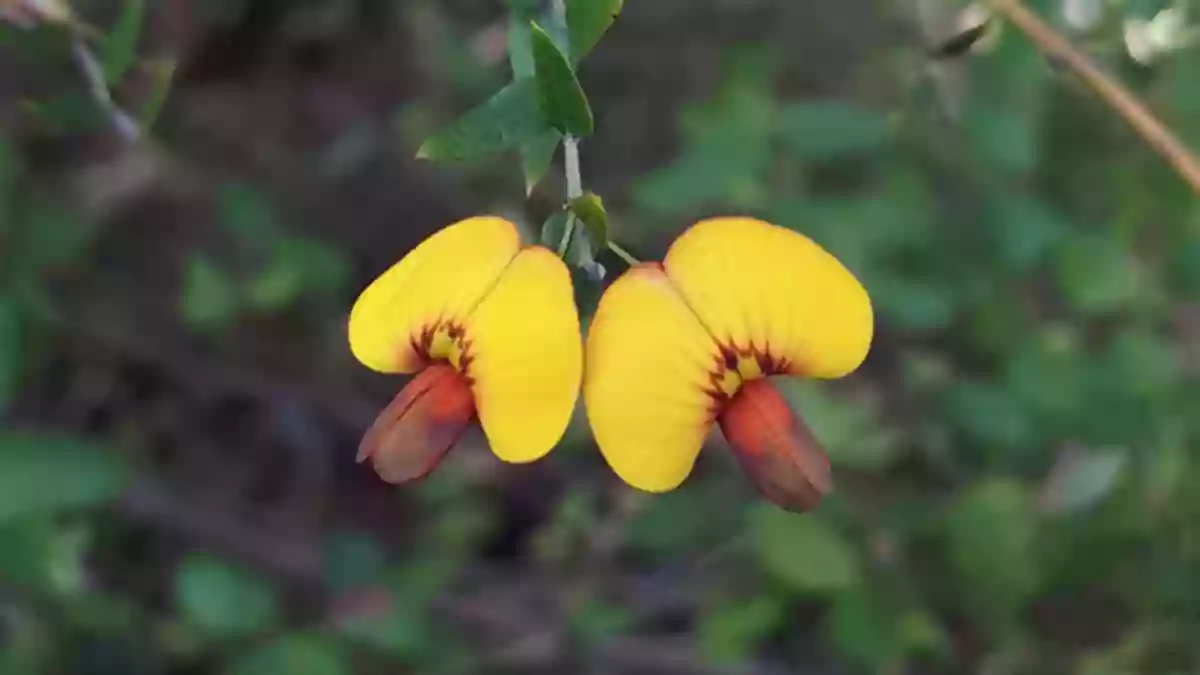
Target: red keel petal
[
  {"x": 416, "y": 430},
  {"x": 776, "y": 448}
]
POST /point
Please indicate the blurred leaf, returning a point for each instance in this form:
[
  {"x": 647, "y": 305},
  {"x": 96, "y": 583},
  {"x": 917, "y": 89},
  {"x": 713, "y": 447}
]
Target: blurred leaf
[
  {"x": 1024, "y": 228},
  {"x": 863, "y": 629},
  {"x": 589, "y": 209},
  {"x": 587, "y": 21},
  {"x": 988, "y": 416},
  {"x": 353, "y": 560},
  {"x": 118, "y": 48},
  {"x": 295, "y": 654},
  {"x": 990, "y": 534},
  {"x": 224, "y": 601},
  {"x": 804, "y": 553},
  {"x": 509, "y": 118},
  {"x": 731, "y": 633},
  {"x": 246, "y": 213},
  {"x": 825, "y": 130},
  {"x": 12, "y": 350},
  {"x": 49, "y": 238},
  {"x": 209, "y": 298},
  {"x": 537, "y": 155},
  {"x": 1099, "y": 275},
  {"x": 1081, "y": 479},
  {"x": 47, "y": 473},
  {"x": 560, "y": 97},
  {"x": 41, "y": 556},
  {"x": 520, "y": 47},
  {"x": 162, "y": 74},
  {"x": 674, "y": 523},
  {"x": 298, "y": 267}
]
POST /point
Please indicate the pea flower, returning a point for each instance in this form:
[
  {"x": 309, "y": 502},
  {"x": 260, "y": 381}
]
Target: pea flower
[
  {"x": 677, "y": 345},
  {"x": 491, "y": 331}
]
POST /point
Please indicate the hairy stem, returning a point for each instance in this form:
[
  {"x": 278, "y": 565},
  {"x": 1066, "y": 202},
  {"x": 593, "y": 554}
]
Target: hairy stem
[{"x": 1120, "y": 99}]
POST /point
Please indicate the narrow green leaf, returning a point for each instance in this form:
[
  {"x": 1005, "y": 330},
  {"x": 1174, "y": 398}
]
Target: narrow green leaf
[
  {"x": 118, "y": 49},
  {"x": 589, "y": 209},
  {"x": 520, "y": 48},
  {"x": 222, "y": 600},
  {"x": 1081, "y": 479},
  {"x": 560, "y": 96},
  {"x": 731, "y": 633},
  {"x": 162, "y": 74},
  {"x": 803, "y": 552},
  {"x": 537, "y": 156},
  {"x": 509, "y": 118},
  {"x": 587, "y": 21},
  {"x": 47, "y": 473}
]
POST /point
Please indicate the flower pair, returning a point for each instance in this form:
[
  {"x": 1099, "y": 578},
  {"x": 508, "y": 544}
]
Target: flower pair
[{"x": 491, "y": 329}]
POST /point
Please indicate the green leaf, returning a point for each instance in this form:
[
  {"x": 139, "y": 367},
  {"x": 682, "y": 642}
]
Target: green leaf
[
  {"x": 826, "y": 130},
  {"x": 247, "y": 214},
  {"x": 730, "y": 633},
  {"x": 48, "y": 473},
  {"x": 162, "y": 74},
  {"x": 118, "y": 48},
  {"x": 804, "y": 553},
  {"x": 10, "y": 170},
  {"x": 1099, "y": 275},
  {"x": 12, "y": 349},
  {"x": 589, "y": 209},
  {"x": 224, "y": 601},
  {"x": 520, "y": 47},
  {"x": 512, "y": 116},
  {"x": 990, "y": 534},
  {"x": 863, "y": 629},
  {"x": 209, "y": 299},
  {"x": 587, "y": 21},
  {"x": 1080, "y": 480},
  {"x": 296, "y": 654},
  {"x": 560, "y": 96},
  {"x": 537, "y": 156},
  {"x": 44, "y": 556}
]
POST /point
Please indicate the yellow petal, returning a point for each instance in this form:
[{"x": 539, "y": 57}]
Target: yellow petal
[
  {"x": 444, "y": 277},
  {"x": 525, "y": 356},
  {"x": 648, "y": 380},
  {"x": 761, "y": 287}
]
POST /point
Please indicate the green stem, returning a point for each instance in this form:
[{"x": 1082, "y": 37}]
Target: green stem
[
  {"x": 623, "y": 254},
  {"x": 568, "y": 230}
]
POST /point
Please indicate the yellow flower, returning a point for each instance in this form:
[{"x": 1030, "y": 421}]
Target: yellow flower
[
  {"x": 675, "y": 346},
  {"x": 491, "y": 330}
]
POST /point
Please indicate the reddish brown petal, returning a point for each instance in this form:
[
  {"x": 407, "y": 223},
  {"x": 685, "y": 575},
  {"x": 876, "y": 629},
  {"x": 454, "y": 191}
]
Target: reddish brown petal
[
  {"x": 412, "y": 435},
  {"x": 776, "y": 448}
]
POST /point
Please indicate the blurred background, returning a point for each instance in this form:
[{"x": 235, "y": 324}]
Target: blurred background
[{"x": 1018, "y": 462}]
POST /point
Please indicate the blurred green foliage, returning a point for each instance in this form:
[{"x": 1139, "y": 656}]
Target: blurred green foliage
[{"x": 1016, "y": 463}]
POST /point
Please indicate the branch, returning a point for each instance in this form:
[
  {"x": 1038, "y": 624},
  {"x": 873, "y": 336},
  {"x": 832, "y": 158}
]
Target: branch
[{"x": 1120, "y": 99}]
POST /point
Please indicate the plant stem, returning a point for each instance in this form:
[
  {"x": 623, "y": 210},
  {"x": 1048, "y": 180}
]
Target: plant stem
[
  {"x": 1120, "y": 99},
  {"x": 570, "y": 148},
  {"x": 623, "y": 254},
  {"x": 93, "y": 73}
]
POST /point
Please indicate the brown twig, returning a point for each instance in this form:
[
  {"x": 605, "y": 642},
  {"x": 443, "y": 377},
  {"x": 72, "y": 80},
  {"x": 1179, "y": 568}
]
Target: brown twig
[{"x": 1120, "y": 99}]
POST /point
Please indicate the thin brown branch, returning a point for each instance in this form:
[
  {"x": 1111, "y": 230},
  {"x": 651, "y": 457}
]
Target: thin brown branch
[{"x": 1125, "y": 103}]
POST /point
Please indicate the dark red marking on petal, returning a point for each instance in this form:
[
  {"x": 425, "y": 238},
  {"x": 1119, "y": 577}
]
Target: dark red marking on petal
[
  {"x": 422, "y": 340},
  {"x": 776, "y": 448},
  {"x": 415, "y": 431}
]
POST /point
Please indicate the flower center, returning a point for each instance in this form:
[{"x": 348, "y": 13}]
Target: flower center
[
  {"x": 738, "y": 365},
  {"x": 444, "y": 342}
]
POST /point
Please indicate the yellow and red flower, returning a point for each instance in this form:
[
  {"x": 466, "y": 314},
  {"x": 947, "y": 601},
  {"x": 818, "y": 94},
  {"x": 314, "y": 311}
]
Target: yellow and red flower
[
  {"x": 675, "y": 346},
  {"x": 491, "y": 331}
]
